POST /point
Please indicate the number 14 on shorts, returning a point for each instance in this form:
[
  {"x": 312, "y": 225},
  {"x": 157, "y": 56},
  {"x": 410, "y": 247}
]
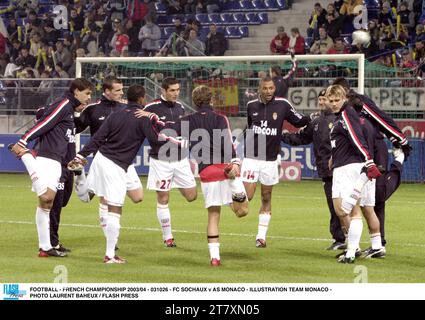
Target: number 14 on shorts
[{"x": 249, "y": 175}]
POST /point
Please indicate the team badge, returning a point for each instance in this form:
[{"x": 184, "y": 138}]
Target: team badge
[
  {"x": 274, "y": 115},
  {"x": 331, "y": 125}
]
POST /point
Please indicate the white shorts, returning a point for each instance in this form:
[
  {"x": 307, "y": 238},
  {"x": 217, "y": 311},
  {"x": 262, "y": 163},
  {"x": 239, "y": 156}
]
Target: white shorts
[
  {"x": 133, "y": 180},
  {"x": 368, "y": 194},
  {"x": 48, "y": 174},
  {"x": 344, "y": 180},
  {"x": 165, "y": 175},
  {"x": 266, "y": 171},
  {"x": 218, "y": 193},
  {"x": 107, "y": 179}
]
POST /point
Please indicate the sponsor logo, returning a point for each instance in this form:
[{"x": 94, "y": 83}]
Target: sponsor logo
[
  {"x": 102, "y": 118},
  {"x": 12, "y": 292},
  {"x": 264, "y": 131}
]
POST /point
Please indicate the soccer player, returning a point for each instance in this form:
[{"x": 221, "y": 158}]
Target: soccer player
[
  {"x": 116, "y": 144},
  {"x": 63, "y": 194},
  {"x": 350, "y": 154},
  {"x": 54, "y": 131},
  {"x": 218, "y": 164},
  {"x": 171, "y": 168},
  {"x": 317, "y": 132},
  {"x": 93, "y": 116},
  {"x": 266, "y": 116},
  {"x": 387, "y": 126}
]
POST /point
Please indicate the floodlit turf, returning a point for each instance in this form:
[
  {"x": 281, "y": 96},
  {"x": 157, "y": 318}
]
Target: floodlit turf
[{"x": 298, "y": 235}]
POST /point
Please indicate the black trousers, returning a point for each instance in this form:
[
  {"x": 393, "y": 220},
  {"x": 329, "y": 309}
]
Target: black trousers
[
  {"x": 62, "y": 197},
  {"x": 386, "y": 185},
  {"x": 335, "y": 225}
]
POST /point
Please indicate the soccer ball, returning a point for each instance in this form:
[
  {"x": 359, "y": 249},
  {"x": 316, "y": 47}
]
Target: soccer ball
[{"x": 361, "y": 37}]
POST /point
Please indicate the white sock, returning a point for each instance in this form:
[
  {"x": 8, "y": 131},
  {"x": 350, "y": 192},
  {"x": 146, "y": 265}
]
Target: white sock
[
  {"x": 81, "y": 187},
  {"x": 42, "y": 219},
  {"x": 237, "y": 187},
  {"x": 400, "y": 158},
  {"x": 354, "y": 235},
  {"x": 263, "y": 225},
  {"x": 214, "y": 248},
  {"x": 30, "y": 164},
  {"x": 164, "y": 218},
  {"x": 103, "y": 214},
  {"x": 348, "y": 203},
  {"x": 376, "y": 241},
  {"x": 112, "y": 231}
]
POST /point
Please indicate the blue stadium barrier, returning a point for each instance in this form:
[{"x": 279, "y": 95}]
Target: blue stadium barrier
[{"x": 413, "y": 169}]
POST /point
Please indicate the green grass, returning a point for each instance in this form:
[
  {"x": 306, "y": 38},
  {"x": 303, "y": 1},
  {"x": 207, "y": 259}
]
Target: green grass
[{"x": 298, "y": 235}]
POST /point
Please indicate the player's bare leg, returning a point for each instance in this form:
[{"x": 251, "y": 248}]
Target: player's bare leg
[
  {"x": 112, "y": 232},
  {"x": 213, "y": 235},
  {"x": 265, "y": 215},
  {"x": 164, "y": 217},
  {"x": 190, "y": 194},
  {"x": 250, "y": 189},
  {"x": 45, "y": 202},
  {"x": 354, "y": 235},
  {"x": 377, "y": 250},
  {"x": 42, "y": 218},
  {"x": 342, "y": 216},
  {"x": 136, "y": 195}
]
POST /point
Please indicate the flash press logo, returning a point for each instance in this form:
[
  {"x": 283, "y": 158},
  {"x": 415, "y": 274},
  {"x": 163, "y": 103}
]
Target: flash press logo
[{"x": 12, "y": 292}]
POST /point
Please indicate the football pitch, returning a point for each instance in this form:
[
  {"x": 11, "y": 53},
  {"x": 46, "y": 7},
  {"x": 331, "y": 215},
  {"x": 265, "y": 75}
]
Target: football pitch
[{"x": 295, "y": 253}]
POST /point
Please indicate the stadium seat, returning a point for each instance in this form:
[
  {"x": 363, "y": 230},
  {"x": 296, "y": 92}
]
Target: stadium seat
[
  {"x": 282, "y": 4},
  {"x": 233, "y": 32},
  {"x": 246, "y": 5},
  {"x": 203, "y": 33},
  {"x": 258, "y": 5},
  {"x": 239, "y": 18},
  {"x": 232, "y": 6},
  {"x": 271, "y": 5},
  {"x": 160, "y": 8},
  {"x": 226, "y": 18},
  {"x": 244, "y": 31},
  {"x": 214, "y": 18},
  {"x": 252, "y": 18},
  {"x": 163, "y": 20},
  {"x": 264, "y": 17},
  {"x": 202, "y": 18},
  {"x": 168, "y": 31}
]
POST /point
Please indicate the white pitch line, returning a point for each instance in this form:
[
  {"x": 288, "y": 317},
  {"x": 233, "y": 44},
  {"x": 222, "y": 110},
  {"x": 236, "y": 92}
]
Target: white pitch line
[{"x": 199, "y": 232}]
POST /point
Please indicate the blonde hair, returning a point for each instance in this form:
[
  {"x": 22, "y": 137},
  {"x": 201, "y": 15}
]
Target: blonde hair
[{"x": 336, "y": 91}]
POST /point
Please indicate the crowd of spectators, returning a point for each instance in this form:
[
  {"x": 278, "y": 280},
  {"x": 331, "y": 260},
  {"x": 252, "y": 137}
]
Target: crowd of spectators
[
  {"x": 32, "y": 46},
  {"x": 396, "y": 29}
]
